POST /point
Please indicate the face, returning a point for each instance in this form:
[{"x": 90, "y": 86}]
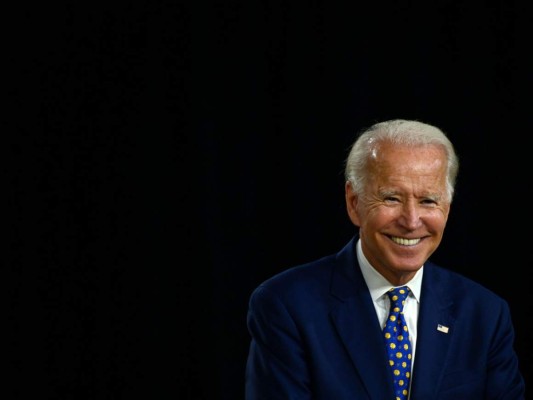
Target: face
[{"x": 403, "y": 212}]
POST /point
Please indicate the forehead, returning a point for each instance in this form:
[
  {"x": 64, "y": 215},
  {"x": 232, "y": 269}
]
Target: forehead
[
  {"x": 427, "y": 156},
  {"x": 401, "y": 163}
]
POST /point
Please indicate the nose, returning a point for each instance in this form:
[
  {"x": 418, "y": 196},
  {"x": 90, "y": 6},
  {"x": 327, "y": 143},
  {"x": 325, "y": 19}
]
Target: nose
[{"x": 410, "y": 215}]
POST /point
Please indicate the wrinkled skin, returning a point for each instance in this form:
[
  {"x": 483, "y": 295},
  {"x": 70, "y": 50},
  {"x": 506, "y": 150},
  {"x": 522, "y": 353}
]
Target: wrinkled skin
[{"x": 404, "y": 209}]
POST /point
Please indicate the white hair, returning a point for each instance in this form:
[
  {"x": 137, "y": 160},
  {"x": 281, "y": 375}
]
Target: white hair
[{"x": 401, "y": 132}]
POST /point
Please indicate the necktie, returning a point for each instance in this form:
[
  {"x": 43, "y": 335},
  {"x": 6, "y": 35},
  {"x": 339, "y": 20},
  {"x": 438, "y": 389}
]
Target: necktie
[{"x": 397, "y": 341}]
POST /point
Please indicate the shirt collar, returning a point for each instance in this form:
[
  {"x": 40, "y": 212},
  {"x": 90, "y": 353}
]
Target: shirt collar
[{"x": 378, "y": 285}]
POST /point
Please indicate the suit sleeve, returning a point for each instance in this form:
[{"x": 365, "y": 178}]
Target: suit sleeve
[{"x": 276, "y": 366}]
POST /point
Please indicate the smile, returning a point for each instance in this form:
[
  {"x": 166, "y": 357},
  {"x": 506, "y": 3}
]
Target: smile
[{"x": 404, "y": 242}]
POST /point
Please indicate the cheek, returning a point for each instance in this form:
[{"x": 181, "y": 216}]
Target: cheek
[
  {"x": 436, "y": 221},
  {"x": 441, "y": 222},
  {"x": 377, "y": 216}
]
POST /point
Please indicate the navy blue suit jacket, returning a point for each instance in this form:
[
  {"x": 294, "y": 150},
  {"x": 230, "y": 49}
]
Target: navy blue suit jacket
[{"x": 315, "y": 335}]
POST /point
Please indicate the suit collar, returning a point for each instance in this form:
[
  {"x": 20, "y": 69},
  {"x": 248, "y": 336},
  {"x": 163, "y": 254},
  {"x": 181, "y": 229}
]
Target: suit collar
[
  {"x": 347, "y": 280},
  {"x": 435, "y": 332},
  {"x": 355, "y": 320}
]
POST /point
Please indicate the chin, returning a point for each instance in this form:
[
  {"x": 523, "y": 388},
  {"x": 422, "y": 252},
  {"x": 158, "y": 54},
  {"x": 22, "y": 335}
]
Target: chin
[{"x": 411, "y": 266}]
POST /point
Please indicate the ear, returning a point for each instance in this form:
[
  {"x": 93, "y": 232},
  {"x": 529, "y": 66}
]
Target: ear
[{"x": 351, "y": 203}]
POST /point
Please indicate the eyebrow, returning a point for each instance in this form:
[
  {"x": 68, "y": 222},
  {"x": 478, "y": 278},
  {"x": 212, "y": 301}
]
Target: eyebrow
[{"x": 432, "y": 196}]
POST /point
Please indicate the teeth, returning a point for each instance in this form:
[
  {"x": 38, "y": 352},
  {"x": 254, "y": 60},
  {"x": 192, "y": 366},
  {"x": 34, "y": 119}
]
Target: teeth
[{"x": 405, "y": 242}]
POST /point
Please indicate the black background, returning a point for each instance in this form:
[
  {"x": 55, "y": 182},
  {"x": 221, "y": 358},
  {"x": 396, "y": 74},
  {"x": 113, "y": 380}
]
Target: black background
[{"x": 164, "y": 158}]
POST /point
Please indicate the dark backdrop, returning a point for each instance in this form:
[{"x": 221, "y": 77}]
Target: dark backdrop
[{"x": 164, "y": 158}]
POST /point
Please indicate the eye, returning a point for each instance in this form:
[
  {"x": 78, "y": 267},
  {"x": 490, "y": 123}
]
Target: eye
[
  {"x": 429, "y": 202},
  {"x": 391, "y": 199}
]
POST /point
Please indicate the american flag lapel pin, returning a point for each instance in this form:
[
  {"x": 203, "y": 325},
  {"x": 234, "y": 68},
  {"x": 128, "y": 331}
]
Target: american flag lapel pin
[{"x": 442, "y": 328}]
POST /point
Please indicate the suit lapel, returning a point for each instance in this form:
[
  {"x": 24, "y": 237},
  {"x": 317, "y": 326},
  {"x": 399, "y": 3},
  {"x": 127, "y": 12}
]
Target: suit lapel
[
  {"x": 355, "y": 320},
  {"x": 435, "y": 331},
  {"x": 361, "y": 336}
]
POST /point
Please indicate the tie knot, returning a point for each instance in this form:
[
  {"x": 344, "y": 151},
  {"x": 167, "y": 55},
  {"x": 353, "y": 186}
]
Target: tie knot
[{"x": 397, "y": 296}]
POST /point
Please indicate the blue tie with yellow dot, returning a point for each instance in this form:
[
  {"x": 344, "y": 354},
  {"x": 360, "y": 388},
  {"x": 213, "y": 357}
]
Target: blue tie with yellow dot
[{"x": 397, "y": 341}]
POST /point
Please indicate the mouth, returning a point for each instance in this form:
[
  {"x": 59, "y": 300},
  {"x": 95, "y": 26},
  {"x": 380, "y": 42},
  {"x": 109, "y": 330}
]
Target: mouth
[{"x": 404, "y": 241}]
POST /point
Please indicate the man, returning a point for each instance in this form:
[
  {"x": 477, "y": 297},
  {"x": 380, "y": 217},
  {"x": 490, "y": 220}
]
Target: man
[{"x": 323, "y": 331}]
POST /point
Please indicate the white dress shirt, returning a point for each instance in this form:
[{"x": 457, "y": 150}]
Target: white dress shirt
[{"x": 379, "y": 287}]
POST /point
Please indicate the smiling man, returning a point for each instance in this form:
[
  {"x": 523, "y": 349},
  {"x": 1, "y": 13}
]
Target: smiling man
[{"x": 349, "y": 325}]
